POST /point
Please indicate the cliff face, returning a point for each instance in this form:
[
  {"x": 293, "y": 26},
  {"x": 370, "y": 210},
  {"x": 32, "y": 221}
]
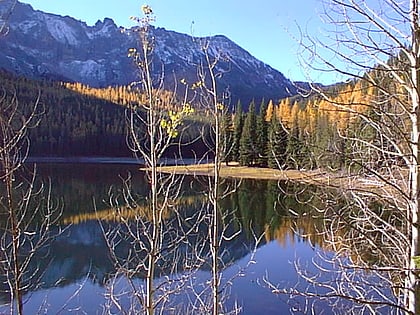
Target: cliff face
[{"x": 42, "y": 45}]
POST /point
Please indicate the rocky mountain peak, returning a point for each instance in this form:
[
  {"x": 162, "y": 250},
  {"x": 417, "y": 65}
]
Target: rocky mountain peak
[{"x": 41, "y": 45}]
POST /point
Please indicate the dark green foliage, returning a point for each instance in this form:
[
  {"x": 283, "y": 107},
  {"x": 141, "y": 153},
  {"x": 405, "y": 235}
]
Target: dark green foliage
[
  {"x": 248, "y": 148},
  {"x": 294, "y": 151},
  {"x": 298, "y": 149},
  {"x": 262, "y": 136},
  {"x": 238, "y": 122},
  {"x": 76, "y": 124},
  {"x": 321, "y": 141},
  {"x": 277, "y": 142},
  {"x": 71, "y": 124},
  {"x": 227, "y": 138}
]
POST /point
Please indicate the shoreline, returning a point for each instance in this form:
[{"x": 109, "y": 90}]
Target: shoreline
[
  {"x": 82, "y": 160},
  {"x": 102, "y": 160},
  {"x": 312, "y": 177},
  {"x": 233, "y": 170}
]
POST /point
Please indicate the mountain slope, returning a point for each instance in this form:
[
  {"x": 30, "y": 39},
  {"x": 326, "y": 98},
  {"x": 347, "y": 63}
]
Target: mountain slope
[{"x": 42, "y": 45}]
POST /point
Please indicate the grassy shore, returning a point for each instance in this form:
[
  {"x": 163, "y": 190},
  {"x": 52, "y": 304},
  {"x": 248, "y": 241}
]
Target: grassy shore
[
  {"x": 236, "y": 171},
  {"x": 315, "y": 177}
]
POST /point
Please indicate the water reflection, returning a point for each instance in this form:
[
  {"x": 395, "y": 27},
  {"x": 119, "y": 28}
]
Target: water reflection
[{"x": 80, "y": 255}]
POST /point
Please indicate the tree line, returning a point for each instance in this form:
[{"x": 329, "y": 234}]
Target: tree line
[
  {"x": 302, "y": 133},
  {"x": 79, "y": 120},
  {"x": 71, "y": 123},
  {"x": 274, "y": 136},
  {"x": 297, "y": 132}
]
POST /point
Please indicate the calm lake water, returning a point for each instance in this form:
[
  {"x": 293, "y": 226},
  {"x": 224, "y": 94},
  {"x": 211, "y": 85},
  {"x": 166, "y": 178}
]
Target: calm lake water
[{"x": 76, "y": 265}]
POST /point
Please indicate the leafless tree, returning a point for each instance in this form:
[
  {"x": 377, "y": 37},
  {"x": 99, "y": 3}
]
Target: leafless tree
[
  {"x": 223, "y": 227},
  {"x": 28, "y": 213},
  {"x": 168, "y": 245},
  {"x": 154, "y": 239},
  {"x": 371, "y": 216}
]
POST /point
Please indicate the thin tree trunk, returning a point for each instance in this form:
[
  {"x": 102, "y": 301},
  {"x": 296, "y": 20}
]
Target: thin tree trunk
[
  {"x": 15, "y": 238},
  {"x": 414, "y": 171},
  {"x": 156, "y": 224},
  {"x": 215, "y": 224},
  {"x": 215, "y": 194}
]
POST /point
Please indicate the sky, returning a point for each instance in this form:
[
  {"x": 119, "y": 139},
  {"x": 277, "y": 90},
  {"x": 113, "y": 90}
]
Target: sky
[{"x": 265, "y": 28}]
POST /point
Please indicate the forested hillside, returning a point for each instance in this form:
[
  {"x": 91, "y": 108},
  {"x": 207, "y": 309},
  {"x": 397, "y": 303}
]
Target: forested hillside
[
  {"x": 78, "y": 120},
  {"x": 297, "y": 132},
  {"x": 71, "y": 123}
]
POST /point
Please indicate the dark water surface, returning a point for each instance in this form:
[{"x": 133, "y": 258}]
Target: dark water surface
[{"x": 76, "y": 265}]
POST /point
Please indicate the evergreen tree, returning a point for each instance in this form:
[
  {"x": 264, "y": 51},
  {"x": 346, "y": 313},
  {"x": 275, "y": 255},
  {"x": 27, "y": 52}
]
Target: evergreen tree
[
  {"x": 293, "y": 149},
  {"x": 277, "y": 142},
  {"x": 296, "y": 151},
  {"x": 321, "y": 147},
  {"x": 237, "y": 131},
  {"x": 247, "y": 147},
  {"x": 227, "y": 137},
  {"x": 305, "y": 155},
  {"x": 262, "y": 136}
]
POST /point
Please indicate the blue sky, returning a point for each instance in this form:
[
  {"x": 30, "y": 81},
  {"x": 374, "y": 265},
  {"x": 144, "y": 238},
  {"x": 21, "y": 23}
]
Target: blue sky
[{"x": 265, "y": 28}]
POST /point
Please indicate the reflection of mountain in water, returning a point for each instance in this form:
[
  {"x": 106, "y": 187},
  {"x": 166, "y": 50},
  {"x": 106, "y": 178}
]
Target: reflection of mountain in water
[{"x": 81, "y": 251}]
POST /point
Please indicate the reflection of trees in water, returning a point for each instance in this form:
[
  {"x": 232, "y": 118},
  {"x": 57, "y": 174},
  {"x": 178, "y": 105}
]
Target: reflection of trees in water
[
  {"x": 265, "y": 206},
  {"x": 81, "y": 251},
  {"x": 264, "y": 203},
  {"x": 260, "y": 204},
  {"x": 130, "y": 212},
  {"x": 279, "y": 210},
  {"x": 78, "y": 185}
]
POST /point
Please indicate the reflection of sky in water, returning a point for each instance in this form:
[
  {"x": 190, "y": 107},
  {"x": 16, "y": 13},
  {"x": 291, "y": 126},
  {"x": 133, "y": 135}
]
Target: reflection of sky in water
[
  {"x": 81, "y": 249},
  {"x": 276, "y": 263},
  {"x": 271, "y": 259},
  {"x": 74, "y": 298}
]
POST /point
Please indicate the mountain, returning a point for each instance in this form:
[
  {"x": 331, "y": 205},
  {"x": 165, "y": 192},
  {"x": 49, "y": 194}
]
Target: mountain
[{"x": 43, "y": 45}]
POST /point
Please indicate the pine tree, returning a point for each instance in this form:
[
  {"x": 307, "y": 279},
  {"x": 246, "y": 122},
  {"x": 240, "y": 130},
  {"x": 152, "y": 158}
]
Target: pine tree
[
  {"x": 247, "y": 147},
  {"x": 277, "y": 142},
  {"x": 293, "y": 151},
  {"x": 262, "y": 136},
  {"x": 322, "y": 140},
  {"x": 294, "y": 145},
  {"x": 238, "y": 122},
  {"x": 306, "y": 160},
  {"x": 227, "y": 137}
]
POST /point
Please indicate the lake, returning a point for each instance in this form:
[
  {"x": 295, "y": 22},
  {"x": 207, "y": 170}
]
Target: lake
[{"x": 75, "y": 267}]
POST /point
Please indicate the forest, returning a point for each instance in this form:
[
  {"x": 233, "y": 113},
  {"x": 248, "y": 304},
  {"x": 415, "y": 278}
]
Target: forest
[
  {"x": 77, "y": 120},
  {"x": 296, "y": 132}
]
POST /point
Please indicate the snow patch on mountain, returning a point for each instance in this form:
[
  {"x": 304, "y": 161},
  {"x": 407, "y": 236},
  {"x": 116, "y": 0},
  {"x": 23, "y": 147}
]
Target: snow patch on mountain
[
  {"x": 107, "y": 29},
  {"x": 62, "y": 32},
  {"x": 27, "y": 26},
  {"x": 63, "y": 47},
  {"x": 90, "y": 69}
]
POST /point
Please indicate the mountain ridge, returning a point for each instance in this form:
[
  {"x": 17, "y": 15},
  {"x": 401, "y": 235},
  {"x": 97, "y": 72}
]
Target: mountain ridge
[{"x": 45, "y": 45}]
